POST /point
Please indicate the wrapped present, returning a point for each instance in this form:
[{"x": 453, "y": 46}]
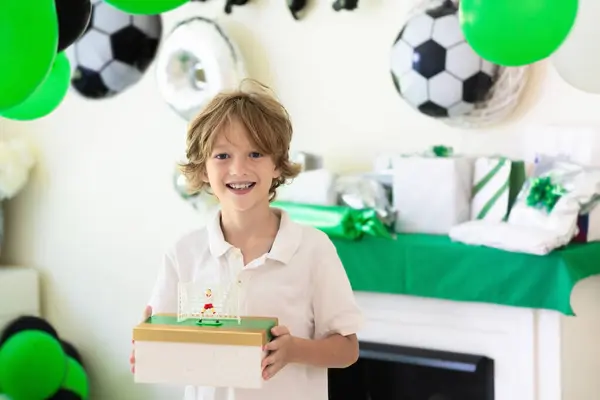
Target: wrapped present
[
  {"x": 366, "y": 191},
  {"x": 310, "y": 187},
  {"x": 496, "y": 185},
  {"x": 223, "y": 353},
  {"x": 336, "y": 221},
  {"x": 577, "y": 143},
  {"x": 556, "y": 196},
  {"x": 432, "y": 192}
]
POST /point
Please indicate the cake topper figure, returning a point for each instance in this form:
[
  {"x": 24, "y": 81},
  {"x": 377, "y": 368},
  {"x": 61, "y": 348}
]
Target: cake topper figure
[{"x": 209, "y": 305}]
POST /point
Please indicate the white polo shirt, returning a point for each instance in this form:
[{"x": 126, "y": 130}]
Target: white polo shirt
[{"x": 301, "y": 281}]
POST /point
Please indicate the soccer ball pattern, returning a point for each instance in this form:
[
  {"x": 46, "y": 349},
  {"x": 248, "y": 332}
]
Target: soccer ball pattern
[
  {"x": 434, "y": 68},
  {"x": 114, "y": 52}
]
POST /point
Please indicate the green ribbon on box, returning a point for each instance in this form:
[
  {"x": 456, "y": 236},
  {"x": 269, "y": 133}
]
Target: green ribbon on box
[
  {"x": 442, "y": 151},
  {"x": 336, "y": 221},
  {"x": 544, "y": 194}
]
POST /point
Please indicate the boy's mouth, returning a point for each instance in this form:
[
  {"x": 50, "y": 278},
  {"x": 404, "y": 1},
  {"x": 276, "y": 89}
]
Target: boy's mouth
[{"x": 241, "y": 185}]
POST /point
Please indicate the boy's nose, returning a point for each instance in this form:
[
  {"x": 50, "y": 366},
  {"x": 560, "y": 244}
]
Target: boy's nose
[{"x": 238, "y": 167}]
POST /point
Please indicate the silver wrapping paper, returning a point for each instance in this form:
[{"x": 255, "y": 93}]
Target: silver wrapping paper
[
  {"x": 366, "y": 191},
  {"x": 197, "y": 60}
]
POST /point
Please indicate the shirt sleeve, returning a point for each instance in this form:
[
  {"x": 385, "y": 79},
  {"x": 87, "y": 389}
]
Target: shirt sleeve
[
  {"x": 334, "y": 306},
  {"x": 164, "y": 295}
]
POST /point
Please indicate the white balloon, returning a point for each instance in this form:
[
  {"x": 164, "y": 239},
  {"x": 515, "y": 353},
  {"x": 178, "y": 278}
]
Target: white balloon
[
  {"x": 578, "y": 59},
  {"x": 197, "y": 60}
]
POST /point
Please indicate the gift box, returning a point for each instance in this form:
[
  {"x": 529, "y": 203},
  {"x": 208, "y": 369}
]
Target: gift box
[
  {"x": 496, "y": 185},
  {"x": 336, "y": 221},
  {"x": 310, "y": 187},
  {"x": 578, "y": 143},
  {"x": 224, "y": 353},
  {"x": 431, "y": 194},
  {"x": 168, "y": 351}
]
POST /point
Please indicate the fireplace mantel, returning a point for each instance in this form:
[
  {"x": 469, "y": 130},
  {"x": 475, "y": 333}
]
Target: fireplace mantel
[{"x": 538, "y": 354}]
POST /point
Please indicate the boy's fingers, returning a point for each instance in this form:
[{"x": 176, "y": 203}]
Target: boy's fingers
[{"x": 147, "y": 312}]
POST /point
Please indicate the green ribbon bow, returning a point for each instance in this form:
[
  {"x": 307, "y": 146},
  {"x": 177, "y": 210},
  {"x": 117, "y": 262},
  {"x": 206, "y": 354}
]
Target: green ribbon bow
[
  {"x": 544, "y": 194},
  {"x": 336, "y": 221},
  {"x": 442, "y": 151}
]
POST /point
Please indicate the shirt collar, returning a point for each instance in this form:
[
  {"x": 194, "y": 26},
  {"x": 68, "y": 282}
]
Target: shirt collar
[{"x": 286, "y": 243}]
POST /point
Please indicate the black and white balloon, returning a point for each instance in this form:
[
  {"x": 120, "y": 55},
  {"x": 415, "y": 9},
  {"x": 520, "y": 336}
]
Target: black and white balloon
[
  {"x": 114, "y": 52},
  {"x": 434, "y": 68}
]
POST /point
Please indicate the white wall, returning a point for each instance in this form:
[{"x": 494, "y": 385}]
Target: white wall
[{"x": 100, "y": 208}]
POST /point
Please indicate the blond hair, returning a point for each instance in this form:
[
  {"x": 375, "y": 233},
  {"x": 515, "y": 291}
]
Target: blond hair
[{"x": 264, "y": 117}]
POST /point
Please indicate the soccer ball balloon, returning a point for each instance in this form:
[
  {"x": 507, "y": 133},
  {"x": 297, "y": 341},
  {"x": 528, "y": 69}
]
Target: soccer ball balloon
[
  {"x": 114, "y": 52},
  {"x": 434, "y": 68}
]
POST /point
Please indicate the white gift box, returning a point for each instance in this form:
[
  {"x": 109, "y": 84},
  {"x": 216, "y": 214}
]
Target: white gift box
[
  {"x": 310, "y": 187},
  {"x": 579, "y": 143},
  {"x": 171, "y": 352},
  {"x": 496, "y": 183},
  {"x": 431, "y": 194}
]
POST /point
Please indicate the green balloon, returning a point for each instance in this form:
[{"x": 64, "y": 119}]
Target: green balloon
[
  {"x": 47, "y": 96},
  {"x": 28, "y": 43},
  {"x": 32, "y": 365},
  {"x": 146, "y": 7},
  {"x": 516, "y": 32},
  {"x": 76, "y": 379}
]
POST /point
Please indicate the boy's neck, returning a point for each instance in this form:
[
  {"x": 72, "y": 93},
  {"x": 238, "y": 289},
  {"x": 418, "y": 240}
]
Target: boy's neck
[{"x": 244, "y": 229}]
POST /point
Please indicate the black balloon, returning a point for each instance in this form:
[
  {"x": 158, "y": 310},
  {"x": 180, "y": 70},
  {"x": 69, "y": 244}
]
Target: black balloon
[
  {"x": 65, "y": 394},
  {"x": 230, "y": 3},
  {"x": 26, "y": 323},
  {"x": 345, "y": 5},
  {"x": 296, "y": 6},
  {"x": 72, "y": 352},
  {"x": 73, "y": 19}
]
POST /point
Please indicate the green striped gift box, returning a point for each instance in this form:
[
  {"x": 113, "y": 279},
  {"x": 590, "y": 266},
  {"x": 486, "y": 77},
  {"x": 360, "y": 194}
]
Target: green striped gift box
[{"x": 496, "y": 184}]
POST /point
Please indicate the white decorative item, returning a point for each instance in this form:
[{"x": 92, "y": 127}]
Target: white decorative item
[
  {"x": 16, "y": 161},
  {"x": 431, "y": 194},
  {"x": 577, "y": 60},
  {"x": 197, "y": 60}
]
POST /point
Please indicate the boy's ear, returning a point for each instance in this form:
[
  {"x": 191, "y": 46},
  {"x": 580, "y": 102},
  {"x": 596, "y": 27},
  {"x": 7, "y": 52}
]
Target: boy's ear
[
  {"x": 204, "y": 176},
  {"x": 276, "y": 173}
]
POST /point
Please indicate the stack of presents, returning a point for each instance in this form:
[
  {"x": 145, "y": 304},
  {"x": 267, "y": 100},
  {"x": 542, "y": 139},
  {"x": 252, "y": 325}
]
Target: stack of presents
[{"x": 544, "y": 201}]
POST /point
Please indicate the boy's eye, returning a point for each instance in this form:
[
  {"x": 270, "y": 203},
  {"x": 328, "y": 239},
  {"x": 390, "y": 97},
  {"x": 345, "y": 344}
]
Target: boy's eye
[
  {"x": 221, "y": 156},
  {"x": 255, "y": 154}
]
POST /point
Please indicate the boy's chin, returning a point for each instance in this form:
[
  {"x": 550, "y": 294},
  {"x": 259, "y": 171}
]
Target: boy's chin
[{"x": 244, "y": 205}]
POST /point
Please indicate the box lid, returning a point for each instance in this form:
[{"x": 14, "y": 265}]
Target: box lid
[{"x": 248, "y": 331}]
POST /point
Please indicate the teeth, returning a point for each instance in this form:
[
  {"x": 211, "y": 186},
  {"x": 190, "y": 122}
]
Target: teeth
[{"x": 240, "y": 185}]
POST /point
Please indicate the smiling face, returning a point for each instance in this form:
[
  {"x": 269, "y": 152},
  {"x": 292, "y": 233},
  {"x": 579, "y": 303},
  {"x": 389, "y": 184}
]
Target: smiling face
[{"x": 238, "y": 174}]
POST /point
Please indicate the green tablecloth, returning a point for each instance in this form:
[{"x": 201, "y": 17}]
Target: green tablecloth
[{"x": 434, "y": 266}]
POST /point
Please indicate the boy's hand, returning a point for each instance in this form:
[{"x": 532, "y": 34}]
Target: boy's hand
[
  {"x": 147, "y": 314},
  {"x": 280, "y": 351}
]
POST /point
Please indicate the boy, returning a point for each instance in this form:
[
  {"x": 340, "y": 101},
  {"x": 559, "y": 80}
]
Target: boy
[{"x": 238, "y": 149}]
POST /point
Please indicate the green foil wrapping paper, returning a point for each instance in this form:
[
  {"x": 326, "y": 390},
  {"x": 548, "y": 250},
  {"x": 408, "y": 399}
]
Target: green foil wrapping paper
[{"x": 336, "y": 221}]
